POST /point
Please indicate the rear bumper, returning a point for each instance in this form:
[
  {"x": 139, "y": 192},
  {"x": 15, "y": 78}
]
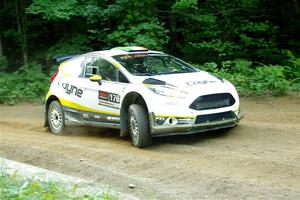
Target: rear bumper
[{"x": 194, "y": 128}]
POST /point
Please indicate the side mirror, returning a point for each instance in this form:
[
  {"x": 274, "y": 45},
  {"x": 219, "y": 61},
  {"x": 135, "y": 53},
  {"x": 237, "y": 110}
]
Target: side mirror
[{"x": 96, "y": 78}]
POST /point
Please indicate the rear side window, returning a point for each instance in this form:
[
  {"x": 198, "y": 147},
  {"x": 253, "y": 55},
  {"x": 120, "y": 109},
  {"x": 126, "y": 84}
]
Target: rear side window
[
  {"x": 72, "y": 67},
  {"x": 122, "y": 78},
  {"x": 90, "y": 68},
  {"x": 102, "y": 67}
]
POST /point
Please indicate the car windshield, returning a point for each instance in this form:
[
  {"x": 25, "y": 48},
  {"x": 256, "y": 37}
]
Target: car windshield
[{"x": 153, "y": 64}]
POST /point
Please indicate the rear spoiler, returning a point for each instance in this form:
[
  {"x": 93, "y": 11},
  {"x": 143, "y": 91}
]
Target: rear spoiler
[{"x": 60, "y": 59}]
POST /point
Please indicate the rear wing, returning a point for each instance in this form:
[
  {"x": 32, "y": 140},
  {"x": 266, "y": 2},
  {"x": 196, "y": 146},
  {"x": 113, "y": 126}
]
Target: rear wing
[{"x": 60, "y": 59}]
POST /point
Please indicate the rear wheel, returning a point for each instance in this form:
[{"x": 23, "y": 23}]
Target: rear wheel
[
  {"x": 56, "y": 118},
  {"x": 139, "y": 129}
]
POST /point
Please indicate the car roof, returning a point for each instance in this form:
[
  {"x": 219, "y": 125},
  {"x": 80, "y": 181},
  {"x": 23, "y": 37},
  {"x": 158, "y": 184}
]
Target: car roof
[{"x": 121, "y": 51}]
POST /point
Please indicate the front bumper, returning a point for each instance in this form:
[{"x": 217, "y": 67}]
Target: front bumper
[{"x": 182, "y": 129}]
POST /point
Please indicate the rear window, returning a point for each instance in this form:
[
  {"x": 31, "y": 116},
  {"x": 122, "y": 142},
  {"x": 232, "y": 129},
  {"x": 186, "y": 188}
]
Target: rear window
[{"x": 72, "y": 67}]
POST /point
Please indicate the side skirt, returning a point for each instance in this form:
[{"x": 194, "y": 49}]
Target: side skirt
[{"x": 83, "y": 118}]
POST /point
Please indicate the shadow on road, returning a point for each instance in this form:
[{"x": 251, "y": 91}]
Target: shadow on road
[
  {"x": 196, "y": 137},
  {"x": 190, "y": 139},
  {"x": 93, "y": 132}
]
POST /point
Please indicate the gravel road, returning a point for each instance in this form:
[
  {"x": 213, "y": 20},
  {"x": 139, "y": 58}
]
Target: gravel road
[{"x": 259, "y": 159}]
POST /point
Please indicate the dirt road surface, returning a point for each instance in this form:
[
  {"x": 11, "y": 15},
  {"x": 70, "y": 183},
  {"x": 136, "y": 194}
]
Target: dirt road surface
[{"x": 259, "y": 159}]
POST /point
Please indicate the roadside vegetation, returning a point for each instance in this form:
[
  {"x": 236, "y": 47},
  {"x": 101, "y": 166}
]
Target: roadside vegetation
[
  {"x": 27, "y": 84},
  {"x": 15, "y": 187},
  {"x": 254, "y": 44},
  {"x": 254, "y": 78},
  {"x": 30, "y": 83}
]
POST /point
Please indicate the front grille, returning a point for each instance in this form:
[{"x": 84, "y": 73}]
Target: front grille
[
  {"x": 213, "y": 101},
  {"x": 214, "y": 117}
]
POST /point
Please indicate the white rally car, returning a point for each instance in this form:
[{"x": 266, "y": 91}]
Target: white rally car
[{"x": 141, "y": 92}]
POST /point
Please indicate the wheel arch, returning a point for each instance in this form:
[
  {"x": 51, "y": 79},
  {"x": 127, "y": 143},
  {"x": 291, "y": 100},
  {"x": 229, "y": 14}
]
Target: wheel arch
[
  {"x": 47, "y": 104},
  {"x": 129, "y": 99}
]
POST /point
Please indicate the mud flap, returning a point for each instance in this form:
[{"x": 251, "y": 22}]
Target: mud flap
[
  {"x": 123, "y": 123},
  {"x": 46, "y": 118}
]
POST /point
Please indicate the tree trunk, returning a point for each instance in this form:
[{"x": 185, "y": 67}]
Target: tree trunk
[
  {"x": 296, "y": 6},
  {"x": 1, "y": 48},
  {"x": 21, "y": 25},
  {"x": 24, "y": 31},
  {"x": 3, "y": 61},
  {"x": 173, "y": 33}
]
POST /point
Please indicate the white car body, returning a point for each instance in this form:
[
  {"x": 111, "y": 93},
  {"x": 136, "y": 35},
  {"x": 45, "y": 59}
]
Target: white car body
[{"x": 168, "y": 98}]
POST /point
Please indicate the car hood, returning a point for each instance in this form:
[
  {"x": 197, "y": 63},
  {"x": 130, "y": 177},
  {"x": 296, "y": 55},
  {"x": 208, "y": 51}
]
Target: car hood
[
  {"x": 196, "y": 83},
  {"x": 190, "y": 80}
]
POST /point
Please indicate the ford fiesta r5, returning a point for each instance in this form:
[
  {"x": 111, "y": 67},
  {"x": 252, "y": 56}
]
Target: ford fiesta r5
[{"x": 141, "y": 92}]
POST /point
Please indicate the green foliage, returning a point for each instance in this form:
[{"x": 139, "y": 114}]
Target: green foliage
[
  {"x": 200, "y": 31},
  {"x": 218, "y": 30},
  {"x": 295, "y": 86},
  {"x": 260, "y": 80},
  {"x": 28, "y": 84},
  {"x": 292, "y": 71},
  {"x": 149, "y": 34},
  {"x": 269, "y": 79},
  {"x": 3, "y": 63},
  {"x": 54, "y": 10},
  {"x": 185, "y": 4},
  {"x": 137, "y": 24},
  {"x": 71, "y": 44},
  {"x": 218, "y": 46},
  {"x": 13, "y": 186}
]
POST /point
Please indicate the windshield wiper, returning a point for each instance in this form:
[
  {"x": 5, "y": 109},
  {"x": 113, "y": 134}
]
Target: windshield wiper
[
  {"x": 142, "y": 74},
  {"x": 172, "y": 72}
]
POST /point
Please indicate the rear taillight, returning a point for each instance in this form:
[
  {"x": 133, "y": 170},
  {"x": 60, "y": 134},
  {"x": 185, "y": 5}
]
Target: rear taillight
[{"x": 53, "y": 76}]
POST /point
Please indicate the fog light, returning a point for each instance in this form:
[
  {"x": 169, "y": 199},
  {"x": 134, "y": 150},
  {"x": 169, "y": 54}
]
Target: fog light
[
  {"x": 172, "y": 121},
  {"x": 160, "y": 120}
]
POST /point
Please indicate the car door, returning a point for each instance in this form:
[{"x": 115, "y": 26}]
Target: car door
[{"x": 101, "y": 101}]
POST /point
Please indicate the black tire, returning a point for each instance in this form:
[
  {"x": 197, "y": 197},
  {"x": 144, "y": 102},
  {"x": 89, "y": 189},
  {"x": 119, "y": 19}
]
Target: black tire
[
  {"x": 138, "y": 123},
  {"x": 56, "y": 118}
]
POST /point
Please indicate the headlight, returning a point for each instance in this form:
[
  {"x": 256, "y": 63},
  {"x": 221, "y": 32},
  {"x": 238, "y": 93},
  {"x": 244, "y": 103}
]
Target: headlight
[{"x": 168, "y": 91}]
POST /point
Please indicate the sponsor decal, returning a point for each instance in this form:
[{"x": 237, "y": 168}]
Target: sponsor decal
[
  {"x": 108, "y": 104},
  {"x": 112, "y": 118},
  {"x": 191, "y": 83},
  {"x": 97, "y": 116},
  {"x": 71, "y": 89},
  {"x": 110, "y": 97},
  {"x": 85, "y": 116}
]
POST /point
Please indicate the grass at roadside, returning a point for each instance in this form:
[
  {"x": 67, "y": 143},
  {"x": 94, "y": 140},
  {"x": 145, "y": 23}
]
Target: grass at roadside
[{"x": 15, "y": 187}]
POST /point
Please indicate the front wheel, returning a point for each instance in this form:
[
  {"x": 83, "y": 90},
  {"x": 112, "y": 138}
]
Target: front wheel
[
  {"x": 139, "y": 126},
  {"x": 56, "y": 118}
]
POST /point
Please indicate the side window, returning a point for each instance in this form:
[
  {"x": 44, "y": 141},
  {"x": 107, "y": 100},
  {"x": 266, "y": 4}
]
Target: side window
[{"x": 101, "y": 67}]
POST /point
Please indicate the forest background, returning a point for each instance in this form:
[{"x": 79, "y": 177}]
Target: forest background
[{"x": 253, "y": 43}]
